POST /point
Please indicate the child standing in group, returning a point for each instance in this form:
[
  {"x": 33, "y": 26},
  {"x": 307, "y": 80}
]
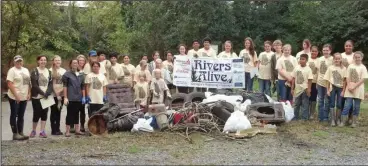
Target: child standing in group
[
  {"x": 322, "y": 65},
  {"x": 334, "y": 76},
  {"x": 95, "y": 89},
  {"x": 249, "y": 56},
  {"x": 301, "y": 85},
  {"x": 141, "y": 90},
  {"x": 285, "y": 66},
  {"x": 265, "y": 69},
  {"x": 348, "y": 59},
  {"x": 228, "y": 53},
  {"x": 158, "y": 88},
  {"x": 354, "y": 91},
  {"x": 277, "y": 46},
  {"x": 312, "y": 63},
  {"x": 306, "y": 49},
  {"x": 115, "y": 72}
]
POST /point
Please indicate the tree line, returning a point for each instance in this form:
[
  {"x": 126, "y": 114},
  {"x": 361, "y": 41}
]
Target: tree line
[{"x": 137, "y": 28}]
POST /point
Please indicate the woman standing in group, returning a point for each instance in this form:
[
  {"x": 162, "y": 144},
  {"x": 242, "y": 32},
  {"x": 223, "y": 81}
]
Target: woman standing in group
[
  {"x": 128, "y": 71},
  {"x": 277, "y": 46},
  {"x": 138, "y": 67},
  {"x": 265, "y": 69},
  {"x": 95, "y": 89},
  {"x": 306, "y": 49},
  {"x": 19, "y": 93},
  {"x": 228, "y": 53},
  {"x": 74, "y": 96},
  {"x": 81, "y": 64},
  {"x": 250, "y": 61},
  {"x": 41, "y": 81},
  {"x": 168, "y": 64},
  {"x": 182, "y": 52},
  {"x": 57, "y": 72},
  {"x": 152, "y": 65},
  {"x": 143, "y": 69}
]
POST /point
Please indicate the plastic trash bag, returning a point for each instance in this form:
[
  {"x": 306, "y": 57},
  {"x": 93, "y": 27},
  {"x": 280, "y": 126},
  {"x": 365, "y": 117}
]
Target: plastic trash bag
[
  {"x": 270, "y": 99},
  {"x": 289, "y": 111},
  {"x": 143, "y": 125},
  {"x": 237, "y": 122},
  {"x": 243, "y": 106}
]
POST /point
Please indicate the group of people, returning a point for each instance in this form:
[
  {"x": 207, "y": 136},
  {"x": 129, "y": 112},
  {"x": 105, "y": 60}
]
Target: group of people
[{"x": 337, "y": 81}]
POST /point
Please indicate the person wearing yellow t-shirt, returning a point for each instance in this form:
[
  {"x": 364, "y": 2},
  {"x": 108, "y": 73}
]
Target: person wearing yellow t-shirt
[
  {"x": 138, "y": 67},
  {"x": 194, "y": 51},
  {"x": 322, "y": 65},
  {"x": 277, "y": 47},
  {"x": 306, "y": 49},
  {"x": 143, "y": 69},
  {"x": 115, "y": 72},
  {"x": 57, "y": 72},
  {"x": 168, "y": 64},
  {"x": 228, "y": 53},
  {"x": 19, "y": 83},
  {"x": 128, "y": 71},
  {"x": 312, "y": 63},
  {"x": 92, "y": 57},
  {"x": 207, "y": 50},
  {"x": 41, "y": 82},
  {"x": 265, "y": 70},
  {"x": 354, "y": 91},
  {"x": 285, "y": 66},
  {"x": 95, "y": 86},
  {"x": 249, "y": 56},
  {"x": 301, "y": 87},
  {"x": 334, "y": 76},
  {"x": 104, "y": 63}
]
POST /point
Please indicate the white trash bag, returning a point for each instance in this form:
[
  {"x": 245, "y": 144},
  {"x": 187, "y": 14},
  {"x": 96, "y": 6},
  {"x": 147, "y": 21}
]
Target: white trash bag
[
  {"x": 270, "y": 100},
  {"x": 289, "y": 111},
  {"x": 143, "y": 125},
  {"x": 243, "y": 106},
  {"x": 237, "y": 122}
]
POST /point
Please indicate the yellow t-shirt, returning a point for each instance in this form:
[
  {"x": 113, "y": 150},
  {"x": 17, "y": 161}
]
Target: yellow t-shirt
[
  {"x": 192, "y": 52},
  {"x": 87, "y": 68},
  {"x": 141, "y": 92},
  {"x": 322, "y": 66},
  {"x": 312, "y": 63},
  {"x": 207, "y": 53},
  {"x": 105, "y": 64},
  {"x": 58, "y": 85},
  {"x": 248, "y": 59},
  {"x": 347, "y": 59},
  {"x": 355, "y": 73},
  {"x": 302, "y": 52},
  {"x": 168, "y": 65},
  {"x": 128, "y": 72},
  {"x": 115, "y": 71},
  {"x": 287, "y": 64},
  {"x": 223, "y": 54},
  {"x": 335, "y": 75},
  {"x": 265, "y": 65},
  {"x": 95, "y": 90},
  {"x": 43, "y": 81},
  {"x": 301, "y": 75},
  {"x": 21, "y": 80},
  {"x": 148, "y": 75}
]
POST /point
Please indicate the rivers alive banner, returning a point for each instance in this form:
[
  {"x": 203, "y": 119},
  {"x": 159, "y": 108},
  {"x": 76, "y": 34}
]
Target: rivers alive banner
[{"x": 208, "y": 73}]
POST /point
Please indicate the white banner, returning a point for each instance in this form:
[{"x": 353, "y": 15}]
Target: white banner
[{"x": 208, "y": 72}]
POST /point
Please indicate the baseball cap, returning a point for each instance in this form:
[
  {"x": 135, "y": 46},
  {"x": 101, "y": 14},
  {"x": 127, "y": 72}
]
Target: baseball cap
[
  {"x": 92, "y": 53},
  {"x": 18, "y": 58}
]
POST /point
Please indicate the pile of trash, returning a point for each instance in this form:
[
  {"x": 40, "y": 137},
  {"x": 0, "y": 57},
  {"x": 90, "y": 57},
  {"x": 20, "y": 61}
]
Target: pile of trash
[{"x": 239, "y": 115}]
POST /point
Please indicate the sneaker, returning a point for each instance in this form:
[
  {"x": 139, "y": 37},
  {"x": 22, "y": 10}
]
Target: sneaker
[
  {"x": 33, "y": 134},
  {"x": 43, "y": 134}
]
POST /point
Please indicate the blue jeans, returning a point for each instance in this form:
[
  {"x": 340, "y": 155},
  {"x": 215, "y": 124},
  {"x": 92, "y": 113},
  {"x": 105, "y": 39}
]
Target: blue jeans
[
  {"x": 349, "y": 104},
  {"x": 265, "y": 86},
  {"x": 314, "y": 92},
  {"x": 323, "y": 108},
  {"x": 17, "y": 115},
  {"x": 285, "y": 91},
  {"x": 301, "y": 103},
  {"x": 335, "y": 97},
  {"x": 248, "y": 82}
]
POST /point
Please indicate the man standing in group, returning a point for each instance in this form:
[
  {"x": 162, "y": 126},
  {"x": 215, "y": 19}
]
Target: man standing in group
[
  {"x": 207, "y": 51},
  {"x": 194, "y": 52}
]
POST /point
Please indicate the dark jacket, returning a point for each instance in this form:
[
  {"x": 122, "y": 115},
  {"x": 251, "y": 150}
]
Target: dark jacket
[
  {"x": 74, "y": 85},
  {"x": 274, "y": 72},
  {"x": 36, "y": 90}
]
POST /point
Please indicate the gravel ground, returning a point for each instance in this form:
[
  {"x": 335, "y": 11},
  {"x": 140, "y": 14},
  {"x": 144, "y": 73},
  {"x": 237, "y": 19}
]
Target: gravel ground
[{"x": 295, "y": 143}]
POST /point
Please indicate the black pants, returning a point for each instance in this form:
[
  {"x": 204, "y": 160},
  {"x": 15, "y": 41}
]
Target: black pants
[
  {"x": 55, "y": 115},
  {"x": 72, "y": 114},
  {"x": 82, "y": 115},
  {"x": 94, "y": 108},
  {"x": 38, "y": 112},
  {"x": 17, "y": 115}
]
